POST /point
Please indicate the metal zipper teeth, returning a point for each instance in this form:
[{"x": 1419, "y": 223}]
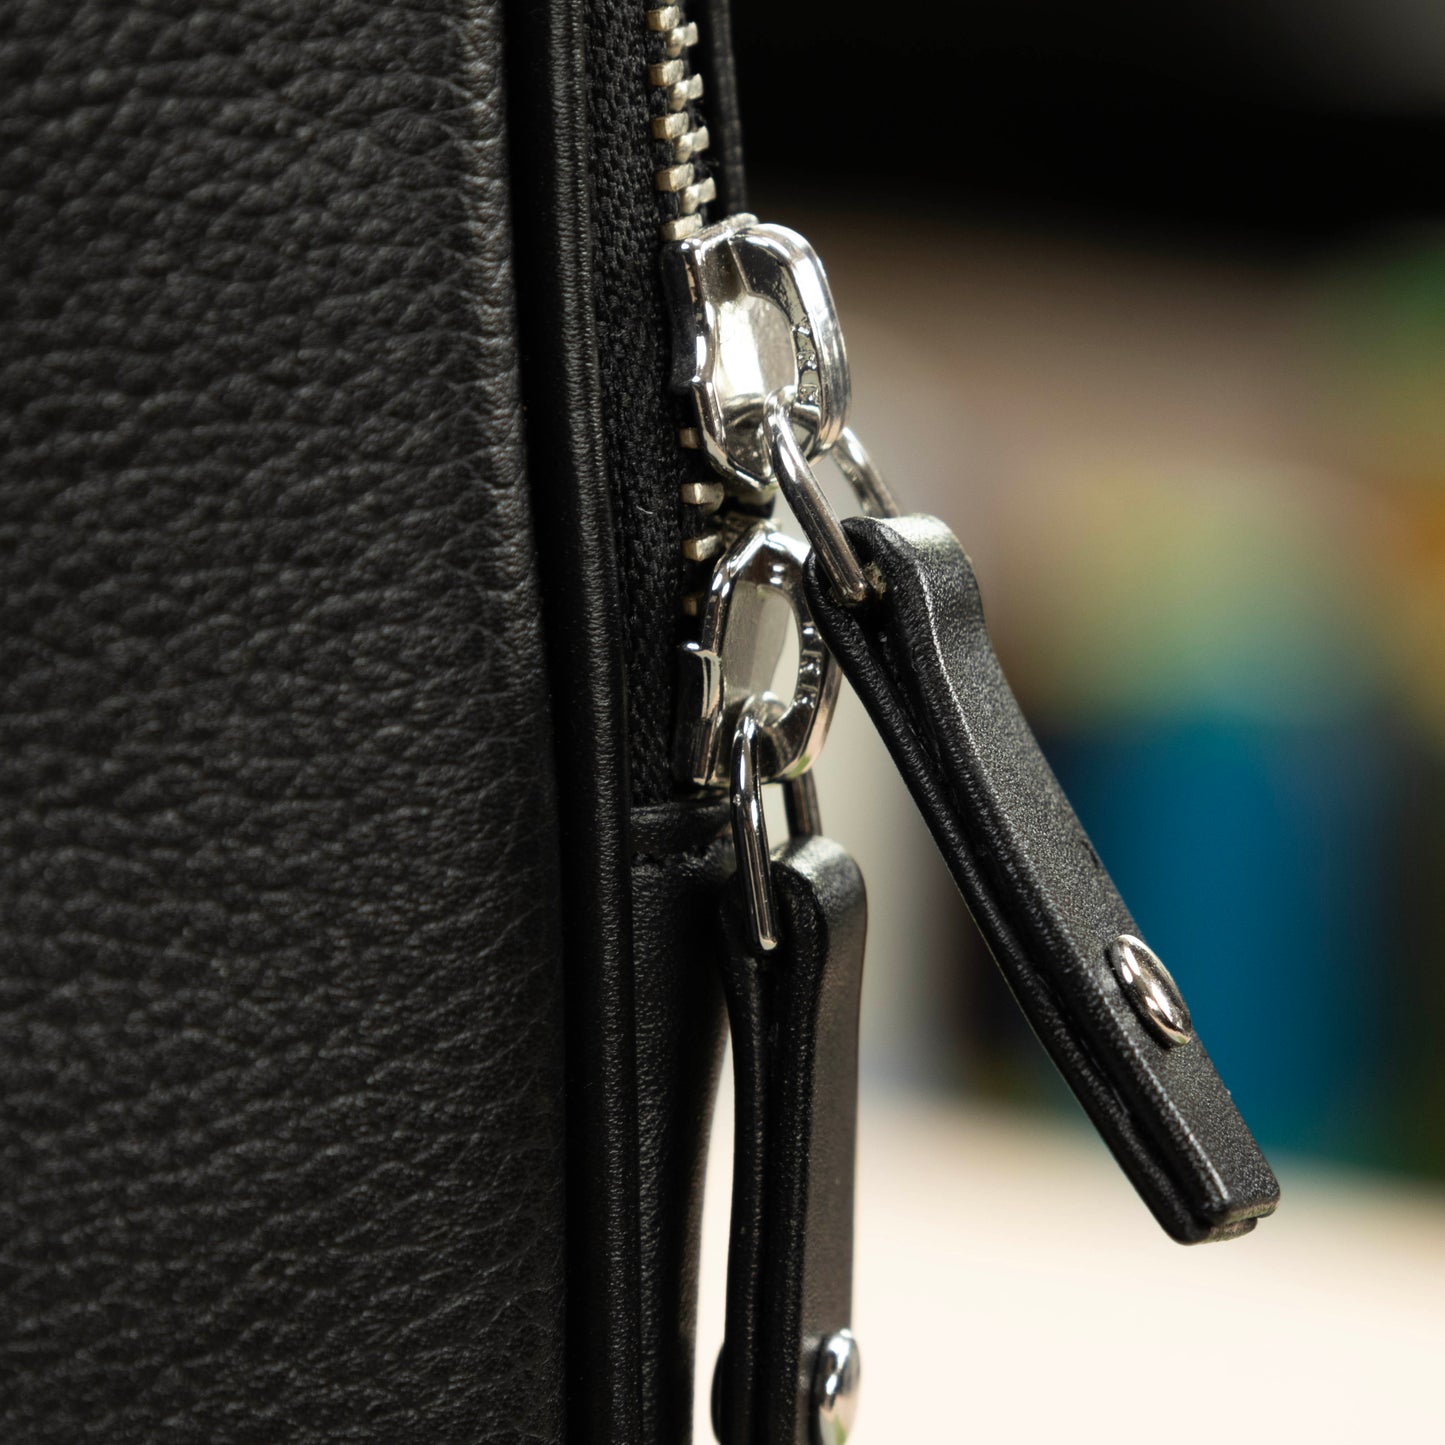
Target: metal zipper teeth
[
  {"x": 680, "y": 87},
  {"x": 673, "y": 79}
]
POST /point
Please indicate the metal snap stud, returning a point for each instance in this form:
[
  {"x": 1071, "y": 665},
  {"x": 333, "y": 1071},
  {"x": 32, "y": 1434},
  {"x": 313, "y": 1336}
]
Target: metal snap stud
[
  {"x": 835, "y": 1388},
  {"x": 1151, "y": 989}
]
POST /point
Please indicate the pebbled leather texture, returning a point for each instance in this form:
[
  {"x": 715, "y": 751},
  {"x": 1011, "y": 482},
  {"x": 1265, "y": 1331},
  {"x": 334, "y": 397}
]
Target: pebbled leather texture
[
  {"x": 793, "y": 1015},
  {"x": 920, "y": 658},
  {"x": 281, "y": 1124}
]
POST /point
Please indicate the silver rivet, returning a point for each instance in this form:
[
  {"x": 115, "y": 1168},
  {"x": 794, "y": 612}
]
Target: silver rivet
[
  {"x": 835, "y": 1388},
  {"x": 1154, "y": 994}
]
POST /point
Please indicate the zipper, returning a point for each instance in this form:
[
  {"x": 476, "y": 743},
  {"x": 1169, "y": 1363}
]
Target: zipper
[
  {"x": 679, "y": 88},
  {"x": 760, "y": 365},
  {"x": 753, "y": 318},
  {"x": 685, "y": 189},
  {"x": 755, "y": 330}
]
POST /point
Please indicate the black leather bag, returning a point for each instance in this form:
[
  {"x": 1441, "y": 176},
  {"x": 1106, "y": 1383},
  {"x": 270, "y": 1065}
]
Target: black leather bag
[{"x": 362, "y": 957}]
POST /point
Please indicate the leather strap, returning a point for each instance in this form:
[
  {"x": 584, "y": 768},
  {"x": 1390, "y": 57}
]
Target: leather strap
[
  {"x": 794, "y": 1020},
  {"x": 919, "y": 656},
  {"x": 678, "y": 952}
]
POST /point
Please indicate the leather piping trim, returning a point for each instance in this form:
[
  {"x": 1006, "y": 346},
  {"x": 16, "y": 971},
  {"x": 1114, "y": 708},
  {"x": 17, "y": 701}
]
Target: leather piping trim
[
  {"x": 689, "y": 826},
  {"x": 547, "y": 105}
]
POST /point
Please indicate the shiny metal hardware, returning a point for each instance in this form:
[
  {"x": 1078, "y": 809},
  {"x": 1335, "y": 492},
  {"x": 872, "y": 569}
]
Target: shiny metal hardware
[
  {"x": 756, "y": 586},
  {"x": 753, "y": 315},
  {"x": 679, "y": 87},
  {"x": 862, "y": 474},
  {"x": 1151, "y": 989},
  {"x": 750, "y": 826},
  {"x": 757, "y": 345},
  {"x": 750, "y": 836},
  {"x": 800, "y": 801},
  {"x": 836, "y": 1379},
  {"x": 811, "y": 507}
]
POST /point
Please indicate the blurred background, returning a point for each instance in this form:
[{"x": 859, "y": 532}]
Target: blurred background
[{"x": 1148, "y": 302}]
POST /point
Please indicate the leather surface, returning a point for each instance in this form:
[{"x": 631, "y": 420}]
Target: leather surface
[
  {"x": 586, "y": 645},
  {"x": 920, "y": 658},
  {"x": 678, "y": 950},
  {"x": 280, "y": 994},
  {"x": 638, "y": 912},
  {"x": 734, "y": 1381},
  {"x": 793, "y": 1016}
]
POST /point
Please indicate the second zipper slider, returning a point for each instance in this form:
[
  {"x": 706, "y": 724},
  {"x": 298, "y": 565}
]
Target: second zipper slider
[{"x": 758, "y": 347}]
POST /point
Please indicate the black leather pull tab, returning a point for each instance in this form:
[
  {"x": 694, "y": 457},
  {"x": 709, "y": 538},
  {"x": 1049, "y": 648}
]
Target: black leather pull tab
[
  {"x": 794, "y": 1018},
  {"x": 920, "y": 658}
]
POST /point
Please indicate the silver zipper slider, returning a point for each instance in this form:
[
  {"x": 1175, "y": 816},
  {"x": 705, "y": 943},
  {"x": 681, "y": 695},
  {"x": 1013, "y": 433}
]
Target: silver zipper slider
[
  {"x": 757, "y": 590},
  {"x": 753, "y": 319},
  {"x": 759, "y": 350}
]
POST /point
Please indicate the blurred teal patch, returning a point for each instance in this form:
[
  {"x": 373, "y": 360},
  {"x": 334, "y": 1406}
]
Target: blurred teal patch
[{"x": 1256, "y": 858}]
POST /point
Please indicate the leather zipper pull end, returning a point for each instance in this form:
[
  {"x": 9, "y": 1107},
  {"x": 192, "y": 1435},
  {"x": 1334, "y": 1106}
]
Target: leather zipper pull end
[
  {"x": 793, "y": 1014},
  {"x": 919, "y": 656}
]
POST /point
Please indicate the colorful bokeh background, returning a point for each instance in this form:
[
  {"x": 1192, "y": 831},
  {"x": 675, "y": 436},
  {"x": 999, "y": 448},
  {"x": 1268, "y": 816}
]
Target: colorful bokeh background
[
  {"x": 1151, "y": 308},
  {"x": 1148, "y": 302}
]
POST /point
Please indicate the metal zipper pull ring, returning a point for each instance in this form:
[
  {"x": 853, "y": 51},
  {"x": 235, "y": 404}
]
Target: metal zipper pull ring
[
  {"x": 862, "y": 474},
  {"x": 750, "y": 826},
  {"x": 736, "y": 732},
  {"x": 750, "y": 835},
  {"x": 810, "y": 505}
]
